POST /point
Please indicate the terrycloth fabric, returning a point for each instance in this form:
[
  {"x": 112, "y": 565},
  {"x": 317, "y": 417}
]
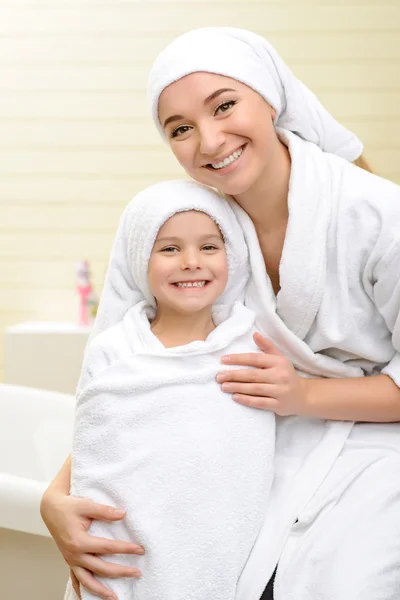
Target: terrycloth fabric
[
  {"x": 249, "y": 58},
  {"x": 126, "y": 279},
  {"x": 337, "y": 314},
  {"x": 340, "y": 296},
  {"x": 151, "y": 208},
  {"x": 155, "y": 434}
]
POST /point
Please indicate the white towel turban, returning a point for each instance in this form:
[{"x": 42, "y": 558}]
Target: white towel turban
[
  {"x": 151, "y": 208},
  {"x": 250, "y": 59}
]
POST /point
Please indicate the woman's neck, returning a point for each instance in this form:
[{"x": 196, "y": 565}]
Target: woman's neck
[
  {"x": 266, "y": 202},
  {"x": 178, "y": 329}
]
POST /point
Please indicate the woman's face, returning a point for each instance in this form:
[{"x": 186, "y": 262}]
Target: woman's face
[{"x": 220, "y": 130}]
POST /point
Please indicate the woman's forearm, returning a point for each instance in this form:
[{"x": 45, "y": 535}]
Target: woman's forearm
[
  {"x": 369, "y": 399},
  {"x": 62, "y": 481},
  {"x": 60, "y": 485}
]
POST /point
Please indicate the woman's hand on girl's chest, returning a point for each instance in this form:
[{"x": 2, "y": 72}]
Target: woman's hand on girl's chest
[{"x": 271, "y": 384}]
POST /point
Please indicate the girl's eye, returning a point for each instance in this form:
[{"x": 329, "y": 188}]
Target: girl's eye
[
  {"x": 180, "y": 131},
  {"x": 170, "y": 249},
  {"x": 225, "y": 106},
  {"x": 210, "y": 247}
]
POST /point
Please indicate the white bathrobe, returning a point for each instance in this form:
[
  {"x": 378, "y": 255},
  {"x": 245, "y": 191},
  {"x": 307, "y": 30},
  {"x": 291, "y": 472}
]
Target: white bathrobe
[
  {"x": 156, "y": 435},
  {"x": 333, "y": 520}
]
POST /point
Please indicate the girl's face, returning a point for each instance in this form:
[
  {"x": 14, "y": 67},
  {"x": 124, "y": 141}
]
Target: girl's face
[
  {"x": 220, "y": 130},
  {"x": 188, "y": 270}
]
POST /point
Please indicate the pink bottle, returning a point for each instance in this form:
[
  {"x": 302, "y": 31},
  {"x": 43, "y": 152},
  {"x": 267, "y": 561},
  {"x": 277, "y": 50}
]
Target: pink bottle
[{"x": 84, "y": 288}]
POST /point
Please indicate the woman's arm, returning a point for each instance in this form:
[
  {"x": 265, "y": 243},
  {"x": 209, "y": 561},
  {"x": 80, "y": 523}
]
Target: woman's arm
[
  {"x": 62, "y": 480},
  {"x": 369, "y": 399},
  {"x": 274, "y": 385},
  {"x": 68, "y": 519}
]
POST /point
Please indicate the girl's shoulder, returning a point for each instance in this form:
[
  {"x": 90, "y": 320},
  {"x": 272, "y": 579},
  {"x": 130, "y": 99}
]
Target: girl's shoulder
[{"x": 105, "y": 350}]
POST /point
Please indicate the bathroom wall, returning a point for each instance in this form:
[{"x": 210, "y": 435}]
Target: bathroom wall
[{"x": 75, "y": 139}]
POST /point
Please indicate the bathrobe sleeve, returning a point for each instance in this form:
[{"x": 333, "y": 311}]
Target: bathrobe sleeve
[
  {"x": 387, "y": 297},
  {"x": 380, "y": 221}
]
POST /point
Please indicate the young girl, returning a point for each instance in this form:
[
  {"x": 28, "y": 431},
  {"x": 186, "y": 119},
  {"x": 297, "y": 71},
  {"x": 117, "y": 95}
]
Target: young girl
[
  {"x": 324, "y": 244},
  {"x": 154, "y": 433}
]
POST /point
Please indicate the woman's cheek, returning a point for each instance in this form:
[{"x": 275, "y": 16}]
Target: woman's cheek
[{"x": 182, "y": 155}]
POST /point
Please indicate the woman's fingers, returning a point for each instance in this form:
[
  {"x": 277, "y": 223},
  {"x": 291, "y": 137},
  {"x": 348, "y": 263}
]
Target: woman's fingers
[
  {"x": 266, "y": 345},
  {"x": 100, "y": 512},
  {"x": 75, "y": 584},
  {"x": 258, "y": 402},
  {"x": 250, "y": 359},
  {"x": 262, "y": 360},
  {"x": 103, "y": 568},
  {"x": 242, "y": 376},
  {"x": 86, "y": 579},
  {"x": 98, "y": 545},
  {"x": 250, "y": 389}
]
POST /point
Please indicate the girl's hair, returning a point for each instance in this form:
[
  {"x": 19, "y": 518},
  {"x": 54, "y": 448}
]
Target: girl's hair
[{"x": 362, "y": 163}]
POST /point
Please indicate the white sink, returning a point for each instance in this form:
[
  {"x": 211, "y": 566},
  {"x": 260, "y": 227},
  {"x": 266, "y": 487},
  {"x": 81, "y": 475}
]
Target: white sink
[{"x": 35, "y": 439}]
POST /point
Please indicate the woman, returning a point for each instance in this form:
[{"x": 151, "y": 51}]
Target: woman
[{"x": 237, "y": 119}]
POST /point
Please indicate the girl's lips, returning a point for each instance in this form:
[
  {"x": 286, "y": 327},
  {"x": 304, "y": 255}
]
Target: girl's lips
[{"x": 229, "y": 168}]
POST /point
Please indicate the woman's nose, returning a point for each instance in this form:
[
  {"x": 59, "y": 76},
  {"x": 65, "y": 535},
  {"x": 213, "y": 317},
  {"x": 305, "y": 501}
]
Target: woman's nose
[{"x": 211, "y": 140}]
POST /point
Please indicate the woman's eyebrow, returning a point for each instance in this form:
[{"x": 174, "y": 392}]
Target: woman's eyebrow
[
  {"x": 172, "y": 119},
  {"x": 217, "y": 93},
  {"x": 209, "y": 98}
]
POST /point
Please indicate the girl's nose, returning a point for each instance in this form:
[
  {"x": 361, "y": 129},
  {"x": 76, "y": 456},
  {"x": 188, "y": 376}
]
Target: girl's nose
[{"x": 191, "y": 260}]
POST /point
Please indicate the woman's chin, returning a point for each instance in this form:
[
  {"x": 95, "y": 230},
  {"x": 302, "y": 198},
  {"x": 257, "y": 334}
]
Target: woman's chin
[
  {"x": 233, "y": 188},
  {"x": 230, "y": 186}
]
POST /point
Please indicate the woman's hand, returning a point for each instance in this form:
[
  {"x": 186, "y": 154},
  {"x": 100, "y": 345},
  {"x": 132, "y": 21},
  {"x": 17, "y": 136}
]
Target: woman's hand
[
  {"x": 75, "y": 583},
  {"x": 68, "y": 520},
  {"x": 272, "y": 385}
]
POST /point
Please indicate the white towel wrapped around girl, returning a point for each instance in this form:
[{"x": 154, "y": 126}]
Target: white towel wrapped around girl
[{"x": 156, "y": 435}]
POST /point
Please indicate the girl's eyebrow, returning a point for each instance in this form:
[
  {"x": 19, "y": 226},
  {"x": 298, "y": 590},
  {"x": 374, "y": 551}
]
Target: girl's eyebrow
[
  {"x": 209, "y": 98},
  {"x": 211, "y": 236},
  {"x": 167, "y": 239}
]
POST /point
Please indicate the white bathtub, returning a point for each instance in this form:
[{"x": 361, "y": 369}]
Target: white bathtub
[{"x": 35, "y": 439}]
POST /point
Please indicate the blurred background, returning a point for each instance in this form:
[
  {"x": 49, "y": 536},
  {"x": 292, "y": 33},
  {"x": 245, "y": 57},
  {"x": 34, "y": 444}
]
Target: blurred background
[{"x": 76, "y": 144}]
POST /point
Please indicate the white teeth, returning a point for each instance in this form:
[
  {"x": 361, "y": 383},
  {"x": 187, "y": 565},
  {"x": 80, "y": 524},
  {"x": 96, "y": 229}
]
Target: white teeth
[
  {"x": 228, "y": 160},
  {"x": 185, "y": 284}
]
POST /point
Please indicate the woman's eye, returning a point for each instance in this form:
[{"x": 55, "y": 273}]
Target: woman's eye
[
  {"x": 180, "y": 131},
  {"x": 225, "y": 106}
]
